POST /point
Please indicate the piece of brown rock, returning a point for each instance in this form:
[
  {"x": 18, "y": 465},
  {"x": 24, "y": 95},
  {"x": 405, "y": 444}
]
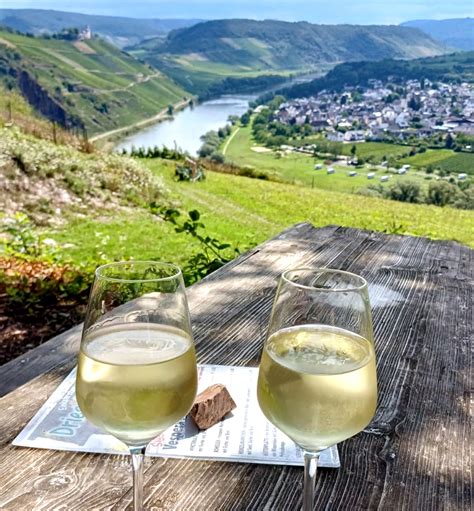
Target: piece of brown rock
[{"x": 211, "y": 405}]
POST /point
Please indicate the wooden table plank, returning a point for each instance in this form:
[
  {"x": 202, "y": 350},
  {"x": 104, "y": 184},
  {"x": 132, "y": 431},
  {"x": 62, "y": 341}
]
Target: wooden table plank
[{"x": 416, "y": 453}]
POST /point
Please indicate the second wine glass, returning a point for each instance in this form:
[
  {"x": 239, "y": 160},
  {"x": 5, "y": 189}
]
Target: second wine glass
[{"x": 317, "y": 379}]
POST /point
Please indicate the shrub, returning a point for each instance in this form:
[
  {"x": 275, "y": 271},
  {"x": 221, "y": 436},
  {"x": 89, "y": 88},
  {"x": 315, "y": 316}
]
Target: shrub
[
  {"x": 249, "y": 171},
  {"x": 441, "y": 193},
  {"x": 29, "y": 283},
  {"x": 217, "y": 157},
  {"x": 465, "y": 199},
  {"x": 190, "y": 173},
  {"x": 404, "y": 191},
  {"x": 372, "y": 191},
  {"x": 32, "y": 273}
]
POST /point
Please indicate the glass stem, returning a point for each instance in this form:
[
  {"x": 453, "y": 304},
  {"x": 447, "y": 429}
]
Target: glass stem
[
  {"x": 310, "y": 468},
  {"x": 138, "y": 458}
]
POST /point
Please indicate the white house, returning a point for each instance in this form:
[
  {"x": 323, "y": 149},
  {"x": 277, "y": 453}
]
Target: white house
[
  {"x": 336, "y": 136},
  {"x": 403, "y": 120},
  {"x": 85, "y": 34},
  {"x": 354, "y": 136}
]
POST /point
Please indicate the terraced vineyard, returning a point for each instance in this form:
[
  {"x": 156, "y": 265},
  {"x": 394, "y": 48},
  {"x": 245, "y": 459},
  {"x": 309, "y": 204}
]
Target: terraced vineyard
[
  {"x": 377, "y": 150},
  {"x": 459, "y": 162},
  {"x": 94, "y": 81},
  {"x": 430, "y": 157}
]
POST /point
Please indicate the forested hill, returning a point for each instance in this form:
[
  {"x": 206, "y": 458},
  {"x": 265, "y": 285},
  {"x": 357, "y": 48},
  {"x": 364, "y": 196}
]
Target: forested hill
[
  {"x": 455, "y": 33},
  {"x": 278, "y": 44},
  {"x": 87, "y": 83},
  {"x": 117, "y": 30},
  {"x": 454, "y": 67}
]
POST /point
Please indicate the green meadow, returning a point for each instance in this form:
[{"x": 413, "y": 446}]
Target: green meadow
[
  {"x": 244, "y": 212},
  {"x": 299, "y": 168}
]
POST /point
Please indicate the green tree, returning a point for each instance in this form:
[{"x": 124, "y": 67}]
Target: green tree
[
  {"x": 449, "y": 142},
  {"x": 441, "y": 193},
  {"x": 391, "y": 162},
  {"x": 217, "y": 157},
  {"x": 465, "y": 199},
  {"x": 404, "y": 191},
  {"x": 414, "y": 103},
  {"x": 245, "y": 119},
  {"x": 206, "y": 150}
]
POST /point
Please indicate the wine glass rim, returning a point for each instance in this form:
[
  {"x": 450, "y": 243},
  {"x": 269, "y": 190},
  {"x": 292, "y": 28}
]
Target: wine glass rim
[
  {"x": 362, "y": 286},
  {"x": 100, "y": 269}
]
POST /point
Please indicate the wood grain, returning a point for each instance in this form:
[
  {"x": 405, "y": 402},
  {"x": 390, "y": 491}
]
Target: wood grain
[{"x": 416, "y": 454}]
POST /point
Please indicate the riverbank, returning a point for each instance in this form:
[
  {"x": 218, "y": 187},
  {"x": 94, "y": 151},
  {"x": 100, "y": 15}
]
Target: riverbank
[
  {"x": 132, "y": 128},
  {"x": 186, "y": 129}
]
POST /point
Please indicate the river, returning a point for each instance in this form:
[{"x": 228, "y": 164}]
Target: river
[{"x": 187, "y": 126}]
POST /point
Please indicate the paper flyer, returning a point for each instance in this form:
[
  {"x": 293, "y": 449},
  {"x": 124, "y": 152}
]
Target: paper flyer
[{"x": 243, "y": 436}]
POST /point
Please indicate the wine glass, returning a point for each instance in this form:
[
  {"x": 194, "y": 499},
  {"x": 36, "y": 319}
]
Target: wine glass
[
  {"x": 317, "y": 380},
  {"x": 137, "y": 372}
]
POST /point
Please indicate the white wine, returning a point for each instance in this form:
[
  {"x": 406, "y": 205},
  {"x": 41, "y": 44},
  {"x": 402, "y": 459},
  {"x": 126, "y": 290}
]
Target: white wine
[
  {"x": 317, "y": 384},
  {"x": 137, "y": 379}
]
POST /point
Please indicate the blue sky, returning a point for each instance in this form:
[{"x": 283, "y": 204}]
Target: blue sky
[{"x": 317, "y": 11}]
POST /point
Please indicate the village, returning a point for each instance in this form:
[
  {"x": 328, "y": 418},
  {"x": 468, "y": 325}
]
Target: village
[{"x": 397, "y": 112}]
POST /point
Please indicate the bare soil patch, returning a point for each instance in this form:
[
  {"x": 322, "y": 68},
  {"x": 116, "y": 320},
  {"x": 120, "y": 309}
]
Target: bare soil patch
[{"x": 84, "y": 48}]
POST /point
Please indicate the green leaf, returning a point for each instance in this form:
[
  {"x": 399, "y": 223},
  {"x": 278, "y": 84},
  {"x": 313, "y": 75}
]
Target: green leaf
[{"x": 194, "y": 215}]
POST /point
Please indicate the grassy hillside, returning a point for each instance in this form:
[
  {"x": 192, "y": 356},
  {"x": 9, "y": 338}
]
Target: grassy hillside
[
  {"x": 117, "y": 30},
  {"x": 246, "y": 211},
  {"x": 249, "y": 46},
  {"x": 456, "y": 67},
  {"x": 454, "y": 33},
  {"x": 96, "y": 84},
  {"x": 51, "y": 182},
  {"x": 51, "y": 175}
]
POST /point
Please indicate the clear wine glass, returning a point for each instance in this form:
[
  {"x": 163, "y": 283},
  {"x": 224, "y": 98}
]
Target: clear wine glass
[
  {"x": 317, "y": 379},
  {"x": 137, "y": 372}
]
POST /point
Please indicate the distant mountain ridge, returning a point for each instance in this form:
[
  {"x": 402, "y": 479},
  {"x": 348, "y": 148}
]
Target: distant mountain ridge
[
  {"x": 117, "y": 30},
  {"x": 454, "y": 33},
  {"x": 278, "y": 44},
  {"x": 202, "y": 56}
]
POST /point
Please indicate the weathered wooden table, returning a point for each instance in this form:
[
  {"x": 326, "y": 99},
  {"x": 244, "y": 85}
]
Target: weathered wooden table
[{"x": 416, "y": 454}]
